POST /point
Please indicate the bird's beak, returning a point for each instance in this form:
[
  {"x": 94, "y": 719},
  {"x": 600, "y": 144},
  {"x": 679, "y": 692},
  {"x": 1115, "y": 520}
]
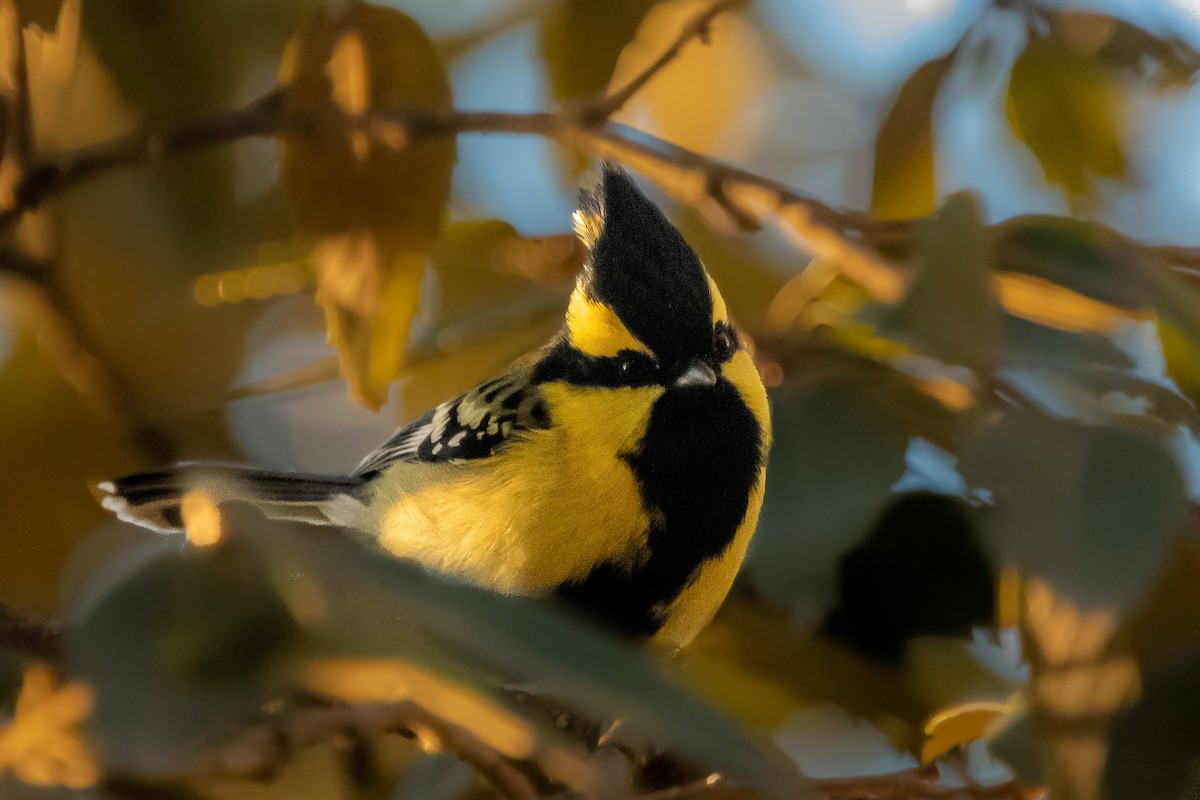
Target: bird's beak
[{"x": 697, "y": 374}]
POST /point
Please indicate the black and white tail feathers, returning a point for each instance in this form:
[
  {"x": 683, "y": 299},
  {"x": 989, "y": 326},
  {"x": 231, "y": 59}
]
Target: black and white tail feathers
[{"x": 154, "y": 499}]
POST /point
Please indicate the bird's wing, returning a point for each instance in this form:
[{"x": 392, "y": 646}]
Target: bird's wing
[{"x": 473, "y": 425}]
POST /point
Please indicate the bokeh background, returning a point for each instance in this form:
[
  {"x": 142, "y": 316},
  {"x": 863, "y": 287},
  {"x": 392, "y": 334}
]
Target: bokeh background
[{"x": 939, "y": 462}]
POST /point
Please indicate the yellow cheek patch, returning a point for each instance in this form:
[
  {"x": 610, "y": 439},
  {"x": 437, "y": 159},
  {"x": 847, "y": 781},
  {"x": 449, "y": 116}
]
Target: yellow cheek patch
[
  {"x": 720, "y": 314},
  {"x": 596, "y": 330}
]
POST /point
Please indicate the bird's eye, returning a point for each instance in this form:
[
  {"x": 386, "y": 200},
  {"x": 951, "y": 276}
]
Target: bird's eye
[
  {"x": 725, "y": 341},
  {"x": 634, "y": 366}
]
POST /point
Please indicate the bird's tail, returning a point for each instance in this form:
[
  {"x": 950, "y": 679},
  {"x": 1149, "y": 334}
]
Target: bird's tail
[{"x": 154, "y": 499}]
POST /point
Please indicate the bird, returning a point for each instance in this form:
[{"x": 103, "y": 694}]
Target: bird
[{"x": 619, "y": 468}]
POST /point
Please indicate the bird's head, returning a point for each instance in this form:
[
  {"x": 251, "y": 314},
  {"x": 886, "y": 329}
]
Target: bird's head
[{"x": 644, "y": 311}]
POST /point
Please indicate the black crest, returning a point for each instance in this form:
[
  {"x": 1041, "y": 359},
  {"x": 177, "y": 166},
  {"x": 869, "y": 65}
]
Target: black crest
[{"x": 643, "y": 269}]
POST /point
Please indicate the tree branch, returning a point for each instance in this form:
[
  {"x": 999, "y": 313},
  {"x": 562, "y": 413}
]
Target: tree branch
[
  {"x": 262, "y": 750},
  {"x": 29, "y": 634}
]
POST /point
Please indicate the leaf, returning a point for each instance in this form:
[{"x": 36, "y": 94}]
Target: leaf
[
  {"x": 958, "y": 726},
  {"x": 435, "y": 777},
  {"x": 1084, "y": 257},
  {"x": 181, "y": 649},
  {"x": 1028, "y": 344},
  {"x": 1017, "y": 744},
  {"x": 375, "y": 206},
  {"x": 1154, "y": 744},
  {"x": 904, "y": 184},
  {"x": 580, "y": 42},
  {"x": 838, "y": 448},
  {"x": 1091, "y": 510},
  {"x": 949, "y": 311},
  {"x": 367, "y": 605},
  {"x": 1166, "y": 60},
  {"x": 1070, "y": 111}
]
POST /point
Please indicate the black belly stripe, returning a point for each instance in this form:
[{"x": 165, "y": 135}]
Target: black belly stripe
[{"x": 696, "y": 466}]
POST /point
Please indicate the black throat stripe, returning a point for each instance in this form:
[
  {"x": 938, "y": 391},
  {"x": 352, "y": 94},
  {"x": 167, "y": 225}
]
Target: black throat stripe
[{"x": 696, "y": 467}]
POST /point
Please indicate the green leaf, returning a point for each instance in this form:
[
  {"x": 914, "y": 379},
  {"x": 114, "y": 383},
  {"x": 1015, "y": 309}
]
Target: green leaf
[
  {"x": 1084, "y": 257},
  {"x": 949, "y": 311},
  {"x": 1155, "y": 745},
  {"x": 435, "y": 777},
  {"x": 1018, "y": 745},
  {"x": 1090, "y": 509},
  {"x": 904, "y": 184},
  {"x": 838, "y": 449},
  {"x": 1028, "y": 344},
  {"x": 379, "y": 606},
  {"x": 580, "y": 42},
  {"x": 1164, "y": 403},
  {"x": 1069, "y": 109},
  {"x": 179, "y": 651},
  {"x": 1167, "y": 60}
]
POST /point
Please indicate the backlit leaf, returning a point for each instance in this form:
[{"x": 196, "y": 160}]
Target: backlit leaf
[
  {"x": 581, "y": 39},
  {"x": 375, "y": 206},
  {"x": 1085, "y": 258},
  {"x": 1069, "y": 109},
  {"x": 904, "y": 185}
]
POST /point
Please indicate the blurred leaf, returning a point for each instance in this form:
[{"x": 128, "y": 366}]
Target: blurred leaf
[
  {"x": 580, "y": 42},
  {"x": 957, "y": 726},
  {"x": 376, "y": 207},
  {"x": 434, "y": 777},
  {"x": 904, "y": 185},
  {"x": 1167, "y": 60},
  {"x": 1168, "y": 621},
  {"x": 949, "y": 311},
  {"x": 1069, "y": 109},
  {"x": 1030, "y": 344},
  {"x": 1091, "y": 510},
  {"x": 1017, "y": 744},
  {"x": 1155, "y": 744},
  {"x": 178, "y": 652},
  {"x": 838, "y": 448},
  {"x": 1164, "y": 403},
  {"x": 366, "y": 604},
  {"x": 1084, "y": 257},
  {"x": 482, "y": 264},
  {"x": 1177, "y": 303},
  {"x": 791, "y": 666}
]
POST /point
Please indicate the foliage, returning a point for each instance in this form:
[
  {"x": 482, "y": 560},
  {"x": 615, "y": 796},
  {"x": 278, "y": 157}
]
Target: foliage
[{"x": 977, "y": 562}]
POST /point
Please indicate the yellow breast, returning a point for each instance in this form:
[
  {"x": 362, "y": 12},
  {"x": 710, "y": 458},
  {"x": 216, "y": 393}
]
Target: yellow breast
[{"x": 543, "y": 511}]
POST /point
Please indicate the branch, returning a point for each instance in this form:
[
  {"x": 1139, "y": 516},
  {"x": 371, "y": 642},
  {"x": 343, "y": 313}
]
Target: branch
[
  {"x": 29, "y": 634},
  {"x": 600, "y": 111},
  {"x": 907, "y": 785},
  {"x": 262, "y": 750}
]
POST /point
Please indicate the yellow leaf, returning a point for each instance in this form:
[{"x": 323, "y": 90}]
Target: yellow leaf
[
  {"x": 368, "y": 288},
  {"x": 376, "y": 205},
  {"x": 692, "y": 101},
  {"x": 1070, "y": 111},
  {"x": 40, "y": 745},
  {"x": 1047, "y": 303},
  {"x": 904, "y": 183},
  {"x": 365, "y": 681},
  {"x": 958, "y": 725}
]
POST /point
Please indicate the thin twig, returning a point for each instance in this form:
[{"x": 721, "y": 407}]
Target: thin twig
[
  {"x": 698, "y": 27},
  {"x": 30, "y": 634}
]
